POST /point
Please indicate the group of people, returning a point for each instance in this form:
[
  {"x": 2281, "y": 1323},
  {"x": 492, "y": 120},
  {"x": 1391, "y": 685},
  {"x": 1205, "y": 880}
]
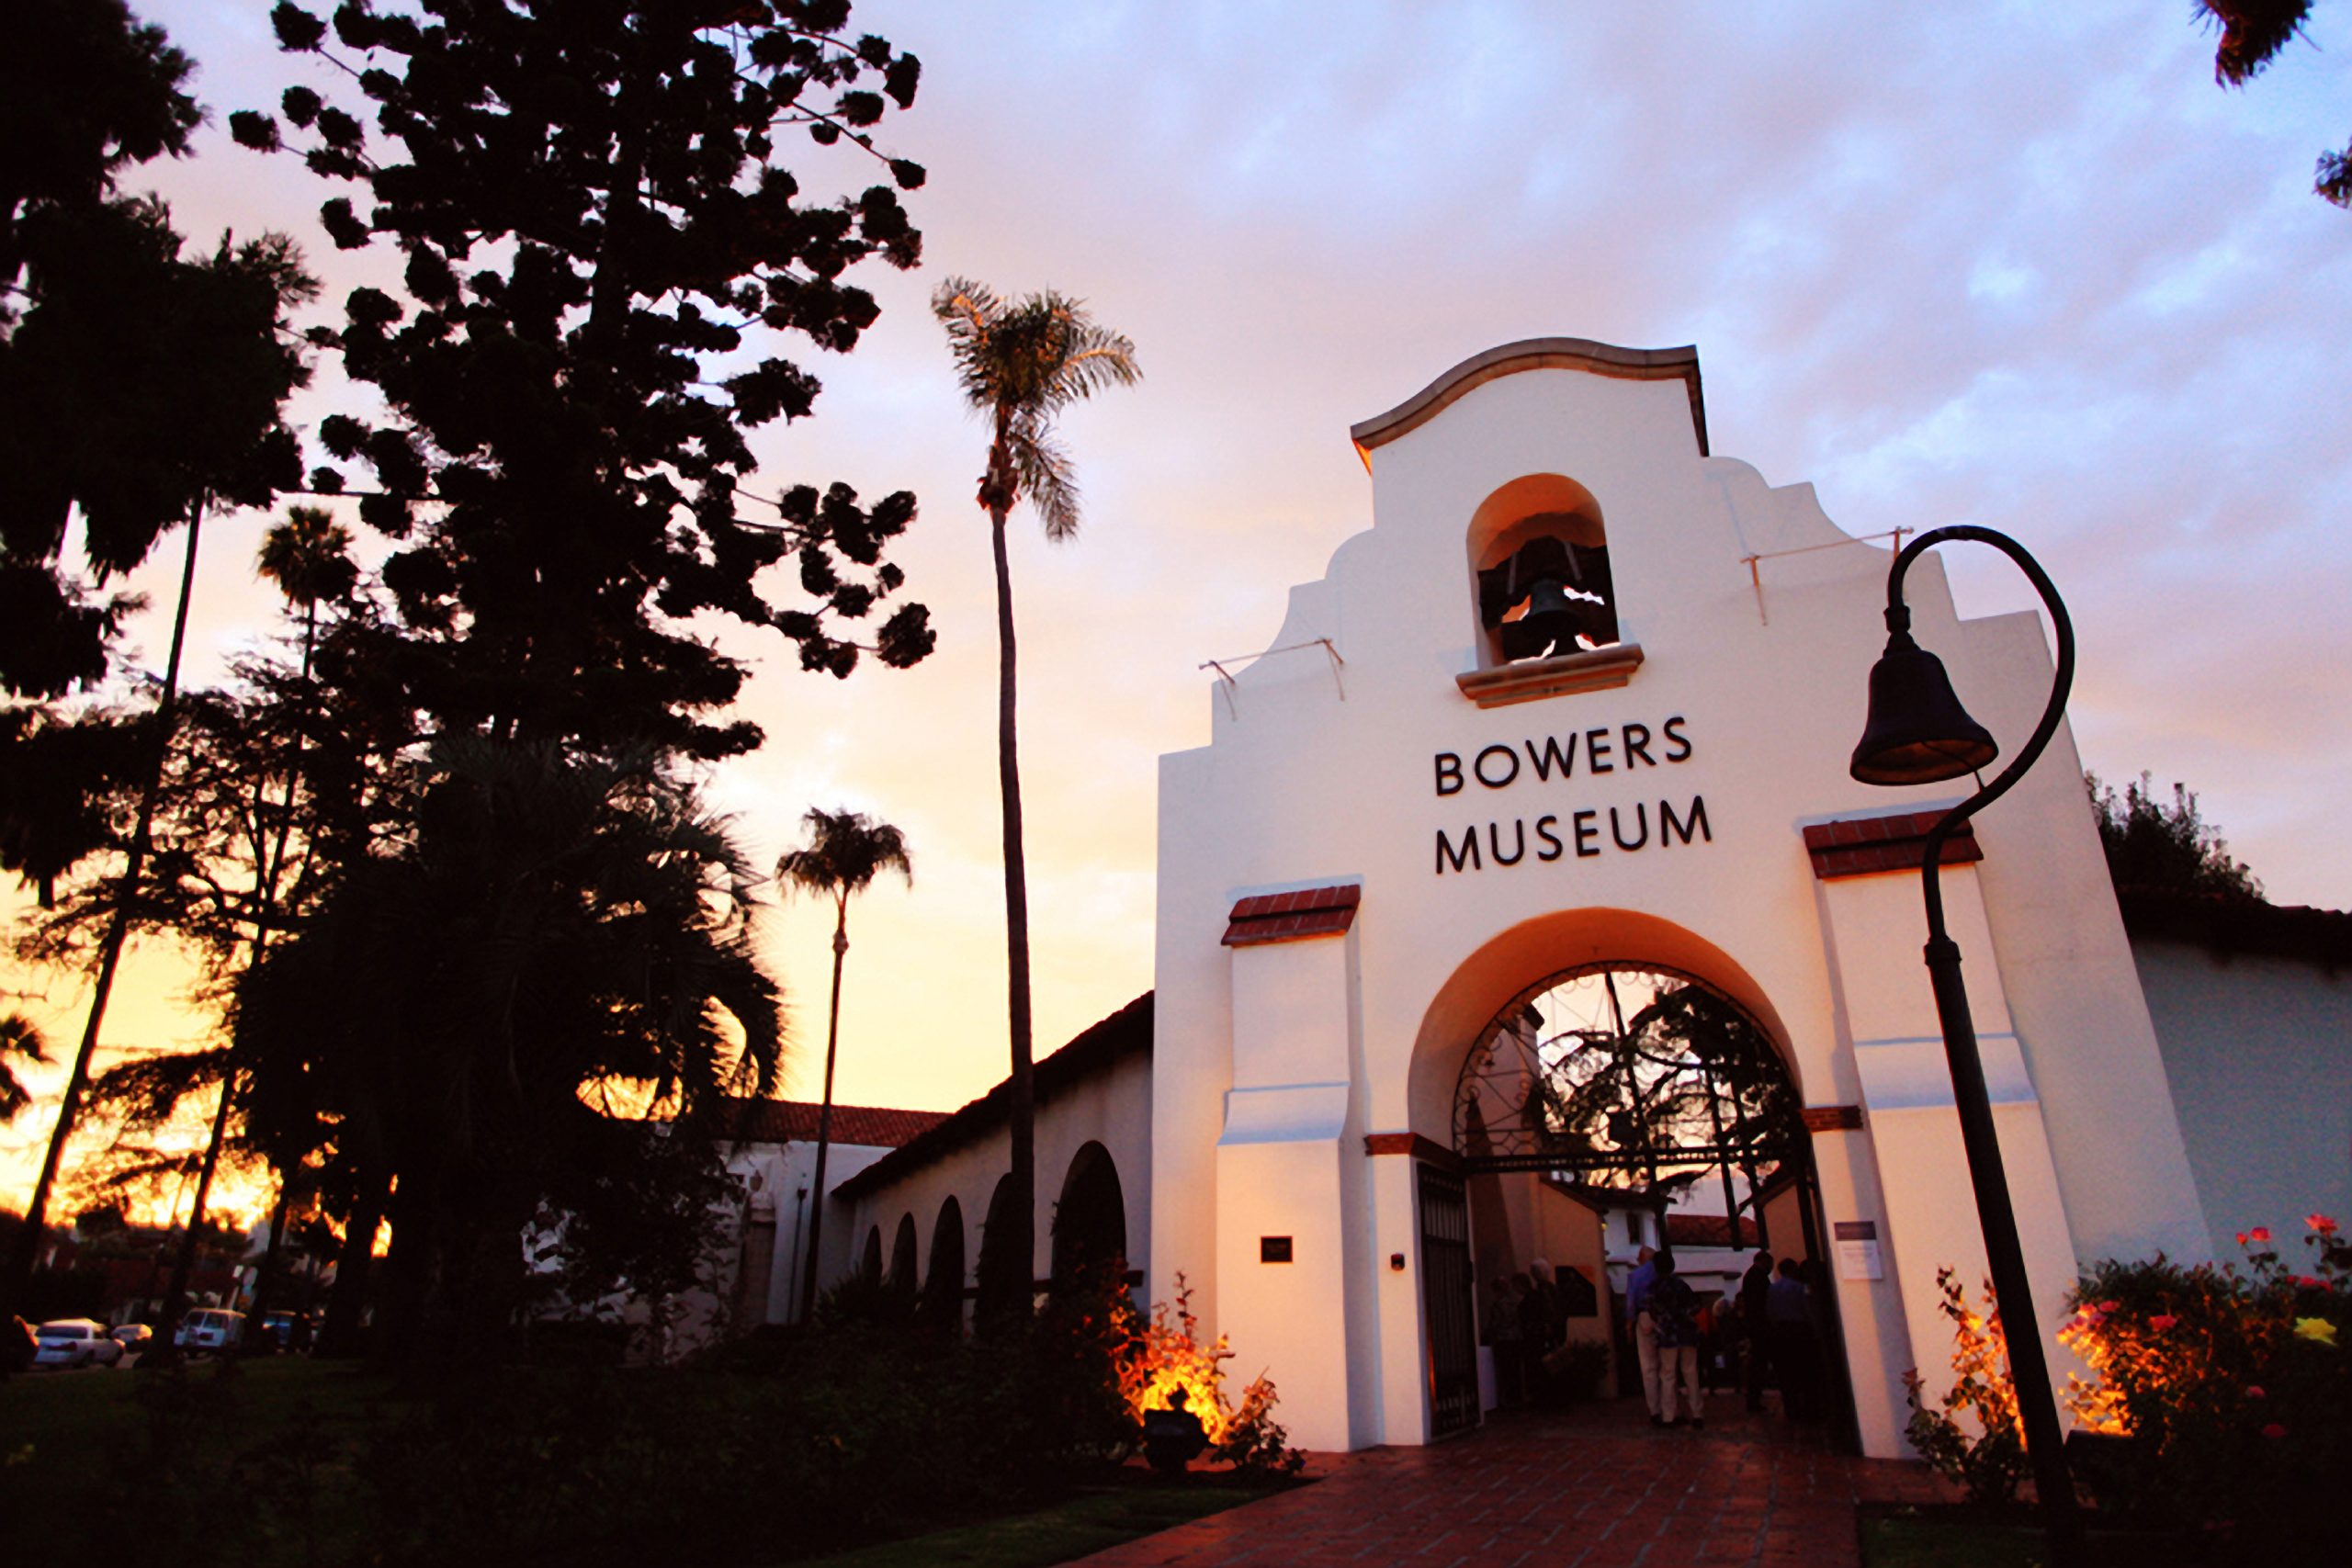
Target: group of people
[
  {"x": 1526, "y": 1320},
  {"x": 1676, "y": 1334}
]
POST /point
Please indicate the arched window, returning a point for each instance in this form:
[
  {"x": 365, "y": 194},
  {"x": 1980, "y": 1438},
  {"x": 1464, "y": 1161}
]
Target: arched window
[
  {"x": 869, "y": 1261},
  {"x": 1091, "y": 1218},
  {"x": 1539, "y": 554}
]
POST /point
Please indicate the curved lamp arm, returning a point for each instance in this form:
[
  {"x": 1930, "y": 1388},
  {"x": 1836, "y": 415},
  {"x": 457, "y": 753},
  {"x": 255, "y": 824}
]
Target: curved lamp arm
[{"x": 1898, "y": 619}]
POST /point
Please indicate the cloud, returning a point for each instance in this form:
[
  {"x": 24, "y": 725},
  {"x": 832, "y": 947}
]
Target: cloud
[{"x": 2008, "y": 263}]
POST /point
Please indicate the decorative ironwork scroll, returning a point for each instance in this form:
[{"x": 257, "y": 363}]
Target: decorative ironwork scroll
[{"x": 1632, "y": 1078}]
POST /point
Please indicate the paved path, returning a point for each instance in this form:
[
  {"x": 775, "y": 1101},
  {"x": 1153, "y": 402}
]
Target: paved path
[{"x": 1600, "y": 1490}]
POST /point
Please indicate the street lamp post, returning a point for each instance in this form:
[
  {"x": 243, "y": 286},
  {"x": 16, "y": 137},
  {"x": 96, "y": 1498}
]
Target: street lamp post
[{"x": 1917, "y": 733}]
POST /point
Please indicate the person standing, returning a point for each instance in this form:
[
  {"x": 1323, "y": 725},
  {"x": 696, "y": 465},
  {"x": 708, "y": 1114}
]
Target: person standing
[
  {"x": 1755, "y": 1286},
  {"x": 1507, "y": 1335},
  {"x": 1546, "y": 1327},
  {"x": 1789, "y": 1316},
  {"x": 1672, "y": 1310},
  {"x": 1637, "y": 1288}
]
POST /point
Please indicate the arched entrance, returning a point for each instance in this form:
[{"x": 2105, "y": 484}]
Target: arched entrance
[{"x": 1613, "y": 1104}]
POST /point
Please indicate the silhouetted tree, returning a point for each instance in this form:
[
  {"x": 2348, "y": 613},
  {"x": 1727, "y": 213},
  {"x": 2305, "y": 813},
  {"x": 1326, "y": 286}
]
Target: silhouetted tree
[
  {"x": 2153, "y": 846},
  {"x": 601, "y": 254},
  {"x": 846, "y": 851},
  {"x": 2253, "y": 32},
  {"x": 1021, "y": 363}
]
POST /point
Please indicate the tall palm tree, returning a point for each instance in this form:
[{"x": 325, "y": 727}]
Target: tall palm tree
[
  {"x": 846, "y": 851},
  {"x": 1021, "y": 363},
  {"x": 307, "y": 559}
]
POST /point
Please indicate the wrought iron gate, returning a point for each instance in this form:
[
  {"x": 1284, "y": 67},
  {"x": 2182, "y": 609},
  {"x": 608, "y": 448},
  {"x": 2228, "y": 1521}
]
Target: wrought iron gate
[{"x": 1451, "y": 1349}]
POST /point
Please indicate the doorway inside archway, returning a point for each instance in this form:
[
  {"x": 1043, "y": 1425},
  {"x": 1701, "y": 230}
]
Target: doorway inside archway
[{"x": 1617, "y": 1106}]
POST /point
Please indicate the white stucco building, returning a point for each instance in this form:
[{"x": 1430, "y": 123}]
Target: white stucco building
[{"x": 1523, "y": 873}]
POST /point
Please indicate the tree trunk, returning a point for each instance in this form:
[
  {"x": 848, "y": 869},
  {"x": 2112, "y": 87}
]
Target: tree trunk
[
  {"x": 347, "y": 1300},
  {"x": 273, "y": 1256},
  {"x": 824, "y": 1116},
  {"x": 184, "y": 1265},
  {"x": 28, "y": 1240},
  {"x": 1022, "y": 1110}
]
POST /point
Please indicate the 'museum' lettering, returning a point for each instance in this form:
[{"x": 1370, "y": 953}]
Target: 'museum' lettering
[{"x": 1584, "y": 833}]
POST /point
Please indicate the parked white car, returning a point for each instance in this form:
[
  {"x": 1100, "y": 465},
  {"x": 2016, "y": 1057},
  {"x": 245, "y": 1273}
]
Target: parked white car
[
  {"x": 75, "y": 1342},
  {"x": 211, "y": 1328}
]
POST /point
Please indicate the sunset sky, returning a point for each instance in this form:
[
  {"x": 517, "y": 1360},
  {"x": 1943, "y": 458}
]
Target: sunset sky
[{"x": 2016, "y": 265}]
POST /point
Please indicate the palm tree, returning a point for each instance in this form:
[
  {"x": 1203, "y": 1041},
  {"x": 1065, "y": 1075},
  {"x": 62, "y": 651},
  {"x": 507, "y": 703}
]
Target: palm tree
[
  {"x": 845, "y": 852},
  {"x": 20, "y": 1039},
  {"x": 1021, "y": 363},
  {"x": 307, "y": 558}
]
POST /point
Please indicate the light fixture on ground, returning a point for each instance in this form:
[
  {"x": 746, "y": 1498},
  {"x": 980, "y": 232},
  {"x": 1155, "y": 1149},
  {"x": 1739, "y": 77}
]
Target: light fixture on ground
[{"x": 1918, "y": 733}]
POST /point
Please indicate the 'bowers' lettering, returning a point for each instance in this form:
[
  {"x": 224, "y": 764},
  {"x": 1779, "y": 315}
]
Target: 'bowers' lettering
[{"x": 1497, "y": 766}]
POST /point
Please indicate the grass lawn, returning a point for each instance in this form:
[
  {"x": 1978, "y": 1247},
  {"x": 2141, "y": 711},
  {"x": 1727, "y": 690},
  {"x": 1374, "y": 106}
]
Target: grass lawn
[
  {"x": 1933, "y": 1539},
  {"x": 81, "y": 1477},
  {"x": 71, "y": 1444}
]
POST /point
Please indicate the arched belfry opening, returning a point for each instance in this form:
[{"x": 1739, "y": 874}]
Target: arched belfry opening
[{"x": 1538, "y": 558}]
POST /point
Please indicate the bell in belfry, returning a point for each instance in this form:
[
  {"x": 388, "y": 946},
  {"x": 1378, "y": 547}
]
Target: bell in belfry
[{"x": 1550, "y": 624}]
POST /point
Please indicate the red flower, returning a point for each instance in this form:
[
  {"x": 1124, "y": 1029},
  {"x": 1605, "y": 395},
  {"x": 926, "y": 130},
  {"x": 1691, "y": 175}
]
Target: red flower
[
  {"x": 2259, "y": 1233},
  {"x": 2254, "y": 1391},
  {"x": 2320, "y": 1223},
  {"x": 2162, "y": 1321},
  {"x": 2310, "y": 1282},
  {"x": 2274, "y": 1430}
]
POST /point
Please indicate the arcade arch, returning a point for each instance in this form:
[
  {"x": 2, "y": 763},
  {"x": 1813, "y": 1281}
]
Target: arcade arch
[
  {"x": 1090, "y": 1217},
  {"x": 901, "y": 1279},
  {"x": 1003, "y": 1284},
  {"x": 942, "y": 1288}
]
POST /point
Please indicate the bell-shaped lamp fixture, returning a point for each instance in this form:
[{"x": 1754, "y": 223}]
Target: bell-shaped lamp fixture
[{"x": 1918, "y": 732}]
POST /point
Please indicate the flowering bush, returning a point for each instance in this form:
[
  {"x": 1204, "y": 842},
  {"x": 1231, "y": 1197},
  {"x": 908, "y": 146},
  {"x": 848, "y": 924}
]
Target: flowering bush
[
  {"x": 1167, "y": 1355},
  {"x": 1974, "y": 1435},
  {"x": 2233, "y": 1385}
]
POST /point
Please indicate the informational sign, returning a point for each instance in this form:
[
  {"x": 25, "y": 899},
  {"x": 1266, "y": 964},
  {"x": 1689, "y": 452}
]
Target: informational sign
[{"x": 1857, "y": 1256}]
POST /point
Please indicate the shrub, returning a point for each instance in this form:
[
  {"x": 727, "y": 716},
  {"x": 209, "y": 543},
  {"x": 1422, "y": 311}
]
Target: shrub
[
  {"x": 1166, "y": 1355},
  {"x": 1974, "y": 1435},
  {"x": 2235, "y": 1385}
]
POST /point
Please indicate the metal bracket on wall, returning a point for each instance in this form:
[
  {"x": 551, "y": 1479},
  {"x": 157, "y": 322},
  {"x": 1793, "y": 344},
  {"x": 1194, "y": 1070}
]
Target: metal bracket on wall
[
  {"x": 1229, "y": 685},
  {"x": 1756, "y": 575}
]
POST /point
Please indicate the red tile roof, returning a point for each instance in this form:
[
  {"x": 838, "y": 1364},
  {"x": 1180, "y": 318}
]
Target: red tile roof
[
  {"x": 1287, "y": 916},
  {"x": 1126, "y": 1032},
  {"x": 1708, "y": 1230},
  {"x": 795, "y": 1122},
  {"x": 1860, "y": 846}
]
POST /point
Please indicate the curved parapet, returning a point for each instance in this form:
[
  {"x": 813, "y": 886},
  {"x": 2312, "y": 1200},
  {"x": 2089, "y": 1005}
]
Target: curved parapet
[{"x": 1538, "y": 354}]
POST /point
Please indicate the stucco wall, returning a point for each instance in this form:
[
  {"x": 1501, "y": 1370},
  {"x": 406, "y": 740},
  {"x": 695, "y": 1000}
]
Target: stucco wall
[
  {"x": 1312, "y": 777},
  {"x": 2259, "y": 1051},
  {"x": 1112, "y": 1107}
]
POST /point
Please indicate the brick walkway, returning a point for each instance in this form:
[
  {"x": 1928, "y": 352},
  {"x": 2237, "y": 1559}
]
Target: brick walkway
[{"x": 1596, "y": 1489}]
